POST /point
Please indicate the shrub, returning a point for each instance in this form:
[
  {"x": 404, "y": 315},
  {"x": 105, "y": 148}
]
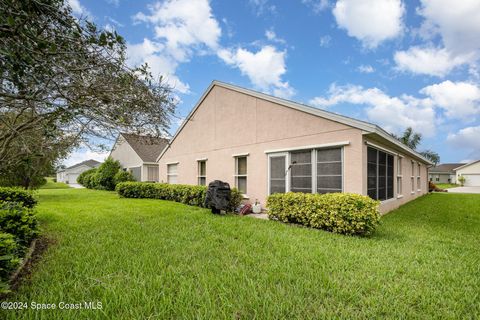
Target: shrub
[
  {"x": 18, "y": 221},
  {"x": 104, "y": 177},
  {"x": 83, "y": 177},
  {"x": 21, "y": 196},
  {"x": 9, "y": 259},
  {"x": 187, "y": 194},
  {"x": 344, "y": 213},
  {"x": 123, "y": 176}
]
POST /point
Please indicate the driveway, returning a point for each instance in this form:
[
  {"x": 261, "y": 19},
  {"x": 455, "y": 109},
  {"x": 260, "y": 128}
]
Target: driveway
[
  {"x": 79, "y": 186},
  {"x": 464, "y": 190}
]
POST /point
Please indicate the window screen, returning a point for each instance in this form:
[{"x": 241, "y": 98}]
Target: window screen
[
  {"x": 329, "y": 170},
  {"x": 379, "y": 174},
  {"x": 172, "y": 174},
  {"x": 241, "y": 174},
  {"x": 202, "y": 173},
  {"x": 301, "y": 171},
  {"x": 277, "y": 174}
]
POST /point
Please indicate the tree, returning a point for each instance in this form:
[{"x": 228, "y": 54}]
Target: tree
[
  {"x": 412, "y": 140},
  {"x": 61, "y": 72}
]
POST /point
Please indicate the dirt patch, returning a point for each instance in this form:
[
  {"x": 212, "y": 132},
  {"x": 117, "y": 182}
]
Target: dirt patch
[{"x": 32, "y": 258}]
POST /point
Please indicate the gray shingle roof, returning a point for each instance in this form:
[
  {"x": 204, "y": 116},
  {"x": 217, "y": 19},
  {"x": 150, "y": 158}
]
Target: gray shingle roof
[
  {"x": 446, "y": 167},
  {"x": 148, "y": 148},
  {"x": 89, "y": 163}
]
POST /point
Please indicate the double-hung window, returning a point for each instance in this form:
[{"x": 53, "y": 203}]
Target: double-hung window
[
  {"x": 379, "y": 174},
  {"x": 172, "y": 173},
  {"x": 202, "y": 172},
  {"x": 419, "y": 182},
  {"x": 399, "y": 176},
  {"x": 241, "y": 174},
  {"x": 412, "y": 178}
]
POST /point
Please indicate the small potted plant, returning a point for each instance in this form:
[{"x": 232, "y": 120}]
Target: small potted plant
[
  {"x": 257, "y": 207},
  {"x": 461, "y": 179}
]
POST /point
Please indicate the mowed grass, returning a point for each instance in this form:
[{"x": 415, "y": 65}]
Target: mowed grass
[
  {"x": 54, "y": 185},
  {"x": 446, "y": 185},
  {"x": 153, "y": 259}
]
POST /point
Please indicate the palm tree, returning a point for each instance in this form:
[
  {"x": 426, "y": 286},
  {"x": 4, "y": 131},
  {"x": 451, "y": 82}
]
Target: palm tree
[{"x": 412, "y": 139}]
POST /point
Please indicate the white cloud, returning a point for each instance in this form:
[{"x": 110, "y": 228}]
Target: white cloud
[
  {"x": 83, "y": 154},
  {"x": 325, "y": 41},
  {"x": 370, "y": 21},
  {"x": 430, "y": 61},
  {"x": 365, "y": 68},
  {"x": 466, "y": 138},
  {"x": 264, "y": 68},
  {"x": 263, "y": 6},
  {"x": 183, "y": 28},
  {"x": 458, "y": 99},
  {"x": 78, "y": 9},
  {"x": 394, "y": 114},
  {"x": 317, "y": 5},
  {"x": 272, "y": 36}
]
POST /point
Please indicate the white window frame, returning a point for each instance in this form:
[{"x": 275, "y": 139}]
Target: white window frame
[
  {"x": 412, "y": 177},
  {"x": 399, "y": 176},
  {"x": 199, "y": 176},
  {"x": 236, "y": 175},
  {"x": 169, "y": 175},
  {"x": 287, "y": 155},
  {"x": 419, "y": 179}
]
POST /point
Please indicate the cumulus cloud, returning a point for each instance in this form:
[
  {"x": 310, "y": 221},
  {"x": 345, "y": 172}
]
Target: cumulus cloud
[
  {"x": 392, "y": 113},
  {"x": 78, "y": 9},
  {"x": 370, "y": 21},
  {"x": 183, "y": 28},
  {"x": 458, "y": 99},
  {"x": 466, "y": 138},
  {"x": 264, "y": 68},
  {"x": 457, "y": 25},
  {"x": 430, "y": 61}
]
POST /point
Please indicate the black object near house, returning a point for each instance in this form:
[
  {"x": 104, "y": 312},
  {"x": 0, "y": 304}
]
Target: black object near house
[{"x": 218, "y": 196}]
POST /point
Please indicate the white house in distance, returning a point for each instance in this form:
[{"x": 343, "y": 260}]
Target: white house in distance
[
  {"x": 70, "y": 174},
  {"x": 444, "y": 173},
  {"x": 471, "y": 173},
  {"x": 138, "y": 154}
]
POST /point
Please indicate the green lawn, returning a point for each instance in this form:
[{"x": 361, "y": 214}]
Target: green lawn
[
  {"x": 446, "y": 185},
  {"x": 159, "y": 260},
  {"x": 54, "y": 185}
]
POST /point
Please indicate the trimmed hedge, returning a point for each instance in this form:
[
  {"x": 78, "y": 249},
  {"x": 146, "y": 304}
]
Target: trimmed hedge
[
  {"x": 18, "y": 221},
  {"x": 123, "y": 176},
  {"x": 17, "y": 195},
  {"x": 345, "y": 213},
  {"x": 187, "y": 194},
  {"x": 84, "y": 177}
]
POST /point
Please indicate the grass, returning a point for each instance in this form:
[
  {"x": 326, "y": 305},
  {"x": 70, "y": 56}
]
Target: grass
[
  {"x": 54, "y": 185},
  {"x": 446, "y": 185},
  {"x": 146, "y": 258}
]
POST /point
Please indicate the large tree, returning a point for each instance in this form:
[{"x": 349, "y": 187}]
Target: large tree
[
  {"x": 59, "y": 71},
  {"x": 412, "y": 139}
]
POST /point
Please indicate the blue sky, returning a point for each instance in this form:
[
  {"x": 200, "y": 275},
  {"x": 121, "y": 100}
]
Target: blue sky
[{"x": 391, "y": 62}]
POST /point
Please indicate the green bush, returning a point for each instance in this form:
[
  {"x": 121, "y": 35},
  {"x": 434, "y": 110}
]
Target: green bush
[
  {"x": 123, "y": 176},
  {"x": 105, "y": 175},
  {"x": 84, "y": 176},
  {"x": 9, "y": 259},
  {"x": 344, "y": 213},
  {"x": 187, "y": 194},
  {"x": 18, "y": 221},
  {"x": 22, "y": 196}
]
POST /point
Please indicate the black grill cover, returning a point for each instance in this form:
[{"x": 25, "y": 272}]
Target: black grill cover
[{"x": 218, "y": 196}]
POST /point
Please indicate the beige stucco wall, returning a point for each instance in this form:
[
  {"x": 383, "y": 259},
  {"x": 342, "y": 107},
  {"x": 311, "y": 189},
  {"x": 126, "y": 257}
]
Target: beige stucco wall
[
  {"x": 471, "y": 173},
  {"x": 229, "y": 123}
]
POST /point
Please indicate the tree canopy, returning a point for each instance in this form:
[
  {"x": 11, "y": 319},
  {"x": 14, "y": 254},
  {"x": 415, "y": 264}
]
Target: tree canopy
[{"x": 63, "y": 75}]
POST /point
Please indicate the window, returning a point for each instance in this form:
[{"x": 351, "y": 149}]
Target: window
[
  {"x": 241, "y": 174},
  {"x": 277, "y": 173},
  {"x": 438, "y": 179},
  {"x": 152, "y": 173},
  {"x": 329, "y": 170},
  {"x": 419, "y": 182},
  {"x": 399, "y": 176},
  {"x": 172, "y": 173},
  {"x": 412, "y": 178},
  {"x": 301, "y": 171},
  {"x": 379, "y": 174},
  {"x": 202, "y": 172}
]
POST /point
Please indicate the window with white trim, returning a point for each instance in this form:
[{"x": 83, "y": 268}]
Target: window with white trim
[
  {"x": 329, "y": 170},
  {"x": 379, "y": 174},
  {"x": 241, "y": 174},
  {"x": 419, "y": 181},
  {"x": 399, "y": 176},
  {"x": 202, "y": 172},
  {"x": 301, "y": 171},
  {"x": 172, "y": 173},
  {"x": 412, "y": 177}
]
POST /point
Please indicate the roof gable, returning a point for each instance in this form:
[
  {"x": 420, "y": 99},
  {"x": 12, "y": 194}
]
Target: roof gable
[
  {"x": 464, "y": 165},
  {"x": 89, "y": 163},
  {"x": 446, "y": 167},
  {"x": 366, "y": 127},
  {"x": 146, "y": 147}
]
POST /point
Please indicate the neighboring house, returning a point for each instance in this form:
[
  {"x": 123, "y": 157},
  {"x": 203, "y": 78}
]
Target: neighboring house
[
  {"x": 262, "y": 145},
  {"x": 443, "y": 173},
  {"x": 70, "y": 174},
  {"x": 138, "y": 154},
  {"x": 471, "y": 173}
]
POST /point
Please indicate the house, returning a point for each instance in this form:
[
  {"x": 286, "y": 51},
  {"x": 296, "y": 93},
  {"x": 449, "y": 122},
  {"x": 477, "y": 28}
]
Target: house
[
  {"x": 70, "y": 174},
  {"x": 443, "y": 173},
  {"x": 471, "y": 173},
  {"x": 263, "y": 144},
  {"x": 138, "y": 154}
]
